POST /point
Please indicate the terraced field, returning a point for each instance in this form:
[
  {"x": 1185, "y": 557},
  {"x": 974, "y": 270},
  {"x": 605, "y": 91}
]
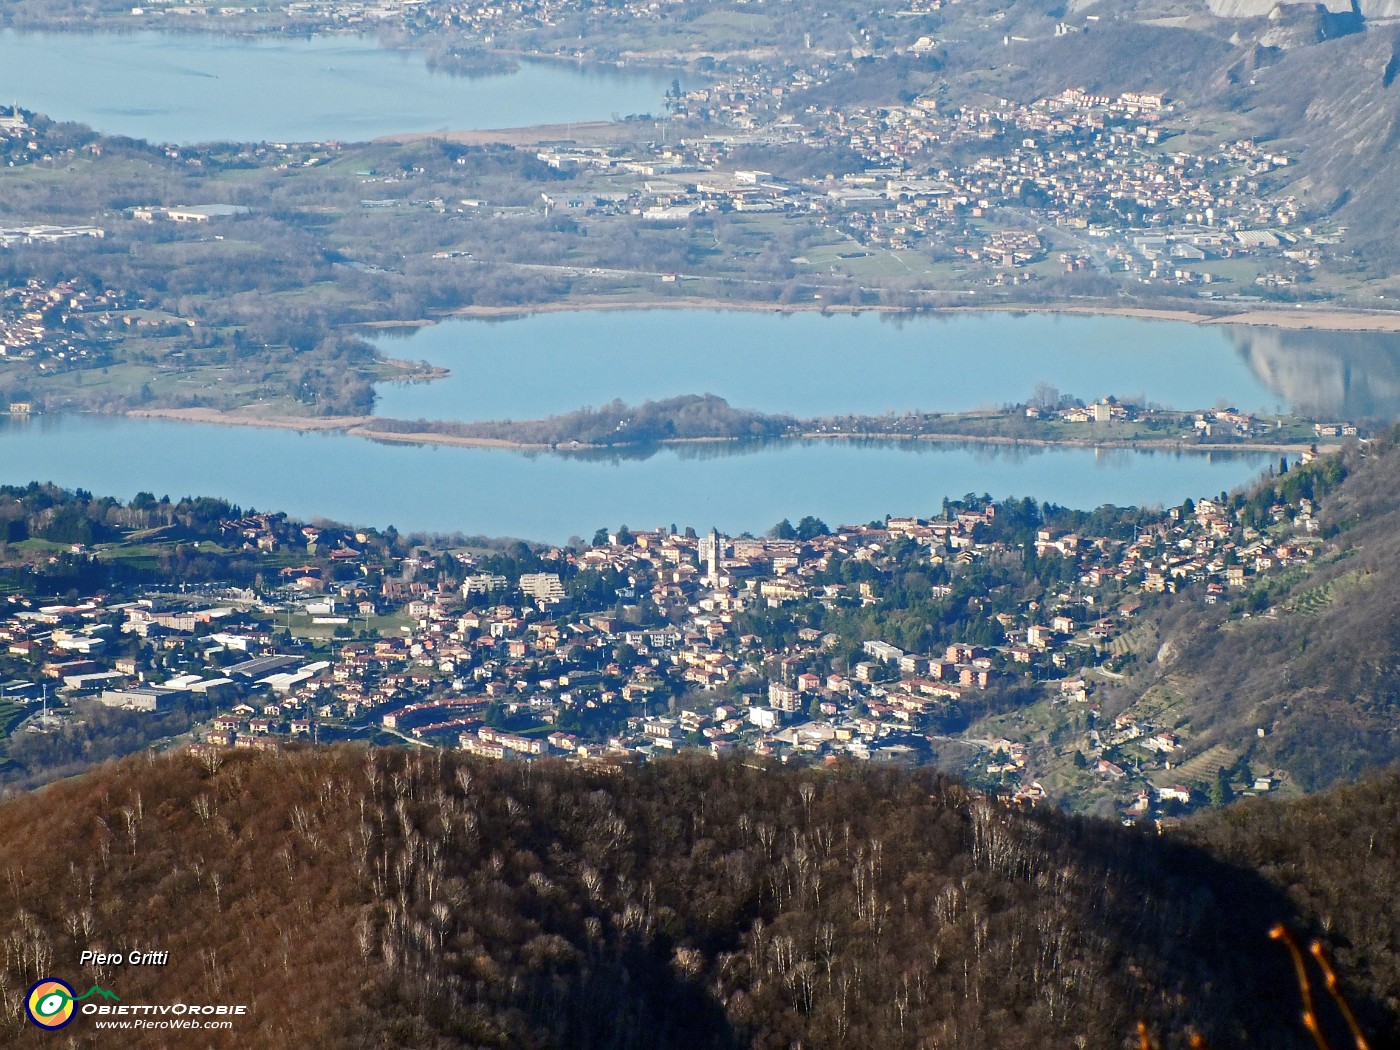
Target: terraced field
[
  {"x": 1165, "y": 704},
  {"x": 1139, "y": 638},
  {"x": 1205, "y": 765},
  {"x": 1313, "y": 601}
]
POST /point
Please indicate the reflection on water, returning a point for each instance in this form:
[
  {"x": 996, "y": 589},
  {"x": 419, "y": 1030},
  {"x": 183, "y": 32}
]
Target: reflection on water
[
  {"x": 1338, "y": 375},
  {"x": 687, "y": 451},
  {"x": 1015, "y": 454},
  {"x": 1341, "y": 375},
  {"x": 807, "y": 365}
]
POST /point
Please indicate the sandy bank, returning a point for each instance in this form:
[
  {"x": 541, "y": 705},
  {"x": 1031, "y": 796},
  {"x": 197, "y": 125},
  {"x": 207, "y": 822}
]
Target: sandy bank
[
  {"x": 589, "y": 131},
  {"x": 1286, "y": 318},
  {"x": 245, "y": 418},
  {"x": 679, "y": 302}
]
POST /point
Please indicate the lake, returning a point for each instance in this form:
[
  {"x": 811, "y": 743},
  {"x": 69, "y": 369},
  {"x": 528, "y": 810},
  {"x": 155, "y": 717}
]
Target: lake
[
  {"x": 191, "y": 88},
  {"x": 551, "y": 497},
  {"x": 807, "y": 364}
]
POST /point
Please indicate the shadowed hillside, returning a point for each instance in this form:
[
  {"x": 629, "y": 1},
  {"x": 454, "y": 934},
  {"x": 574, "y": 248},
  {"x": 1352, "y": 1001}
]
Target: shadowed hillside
[
  {"x": 395, "y": 899},
  {"x": 1337, "y": 855}
]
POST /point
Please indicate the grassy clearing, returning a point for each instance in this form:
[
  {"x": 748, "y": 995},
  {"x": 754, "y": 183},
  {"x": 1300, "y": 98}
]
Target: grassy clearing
[
  {"x": 38, "y": 546},
  {"x": 1240, "y": 271},
  {"x": 383, "y": 626}
]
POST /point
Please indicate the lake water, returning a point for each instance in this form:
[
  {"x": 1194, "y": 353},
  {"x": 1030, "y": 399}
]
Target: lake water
[
  {"x": 552, "y": 497},
  {"x": 805, "y": 364},
  {"x": 809, "y": 365},
  {"x": 189, "y": 88}
]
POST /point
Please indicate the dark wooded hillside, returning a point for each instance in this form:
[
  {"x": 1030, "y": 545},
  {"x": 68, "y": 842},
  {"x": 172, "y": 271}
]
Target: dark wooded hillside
[{"x": 385, "y": 898}]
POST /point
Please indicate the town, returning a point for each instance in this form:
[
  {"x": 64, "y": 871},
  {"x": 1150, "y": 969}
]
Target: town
[
  {"x": 735, "y": 192},
  {"x": 1074, "y": 182},
  {"x": 1098, "y": 168},
  {"x": 905, "y": 640}
]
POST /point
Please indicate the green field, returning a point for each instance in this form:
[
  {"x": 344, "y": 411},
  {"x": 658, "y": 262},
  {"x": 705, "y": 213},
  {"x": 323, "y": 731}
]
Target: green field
[
  {"x": 11, "y": 715},
  {"x": 302, "y": 627},
  {"x": 1240, "y": 271}
]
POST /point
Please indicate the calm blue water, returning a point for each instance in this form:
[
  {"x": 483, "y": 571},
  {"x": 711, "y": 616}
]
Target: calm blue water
[
  {"x": 552, "y": 497},
  {"x": 185, "y": 88},
  {"x": 809, "y": 365}
]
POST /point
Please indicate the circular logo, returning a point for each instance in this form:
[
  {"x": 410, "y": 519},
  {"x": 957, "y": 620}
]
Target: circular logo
[{"x": 49, "y": 1003}]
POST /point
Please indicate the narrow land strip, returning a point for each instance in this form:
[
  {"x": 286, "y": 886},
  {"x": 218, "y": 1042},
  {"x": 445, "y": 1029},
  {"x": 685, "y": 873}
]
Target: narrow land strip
[
  {"x": 1324, "y": 320},
  {"x": 372, "y": 427}
]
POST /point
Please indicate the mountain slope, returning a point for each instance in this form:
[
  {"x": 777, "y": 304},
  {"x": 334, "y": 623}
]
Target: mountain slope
[
  {"x": 1324, "y": 85},
  {"x": 1304, "y": 672},
  {"x": 1340, "y": 99},
  {"x": 381, "y": 899}
]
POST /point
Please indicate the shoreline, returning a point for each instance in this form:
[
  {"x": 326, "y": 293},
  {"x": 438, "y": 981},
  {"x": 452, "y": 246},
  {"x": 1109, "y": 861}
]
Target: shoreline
[
  {"x": 364, "y": 427},
  {"x": 1335, "y": 319},
  {"x": 1150, "y": 444}
]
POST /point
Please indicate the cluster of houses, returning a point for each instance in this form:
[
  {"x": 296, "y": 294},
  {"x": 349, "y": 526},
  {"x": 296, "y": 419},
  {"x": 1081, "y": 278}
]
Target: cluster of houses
[
  {"x": 58, "y": 325},
  {"x": 1082, "y": 161},
  {"x": 327, "y": 14},
  {"x": 1215, "y": 424},
  {"x": 1085, "y": 162},
  {"x": 1099, "y": 163},
  {"x": 483, "y": 20},
  {"x": 1091, "y": 164},
  {"x": 19, "y": 143},
  {"x": 1202, "y": 548},
  {"x": 671, "y": 653}
]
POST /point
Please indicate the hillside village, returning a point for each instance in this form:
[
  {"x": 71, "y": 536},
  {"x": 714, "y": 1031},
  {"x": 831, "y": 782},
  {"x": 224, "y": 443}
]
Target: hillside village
[{"x": 878, "y": 642}]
